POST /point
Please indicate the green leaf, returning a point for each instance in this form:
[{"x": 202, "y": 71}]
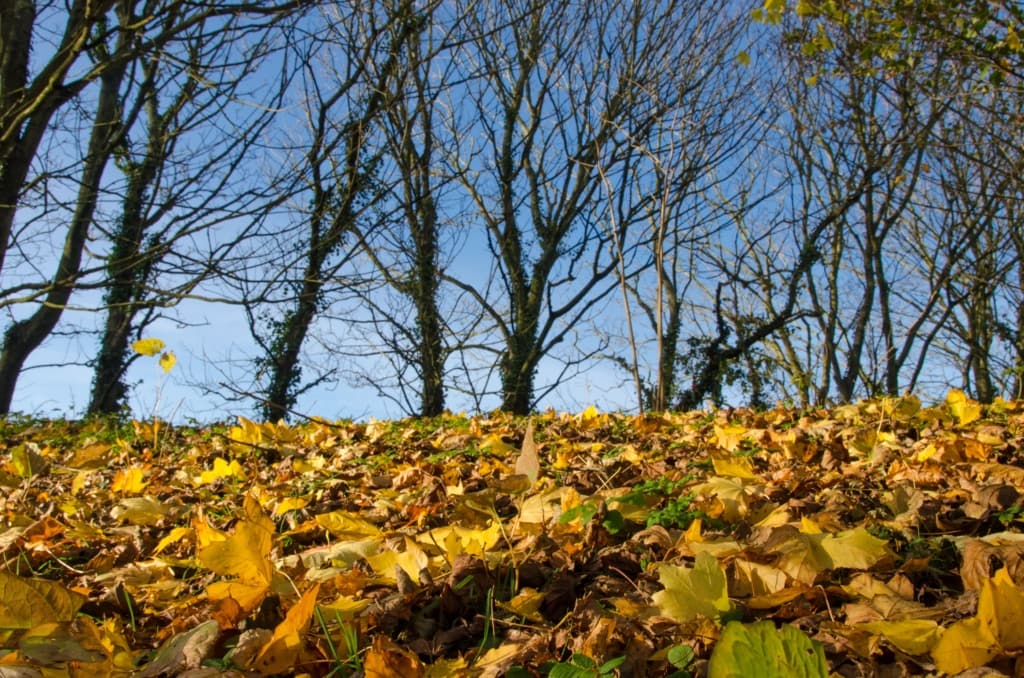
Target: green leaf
[
  {"x": 700, "y": 591},
  {"x": 762, "y": 650}
]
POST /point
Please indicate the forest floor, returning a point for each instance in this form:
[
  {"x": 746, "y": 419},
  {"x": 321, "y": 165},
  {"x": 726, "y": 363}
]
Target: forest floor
[{"x": 881, "y": 538}]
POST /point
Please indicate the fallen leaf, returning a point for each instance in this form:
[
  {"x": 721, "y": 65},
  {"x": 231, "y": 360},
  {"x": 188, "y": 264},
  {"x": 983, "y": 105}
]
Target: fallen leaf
[{"x": 689, "y": 593}]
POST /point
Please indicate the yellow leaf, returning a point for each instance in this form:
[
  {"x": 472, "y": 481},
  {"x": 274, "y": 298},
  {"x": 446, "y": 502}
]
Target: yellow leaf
[
  {"x": 735, "y": 467},
  {"x": 526, "y": 604},
  {"x": 496, "y": 446},
  {"x": 246, "y": 553},
  {"x": 756, "y": 579},
  {"x": 808, "y": 526},
  {"x": 912, "y": 636},
  {"x": 1001, "y": 608},
  {"x": 700, "y": 591},
  {"x": 964, "y": 645},
  {"x": 800, "y": 555},
  {"x": 141, "y": 510},
  {"x": 743, "y": 58},
  {"x": 128, "y": 481},
  {"x": 411, "y": 560},
  {"x": 728, "y": 437},
  {"x": 345, "y": 607},
  {"x": 387, "y": 660},
  {"x": 856, "y": 549},
  {"x": 221, "y": 469},
  {"x": 174, "y": 536},
  {"x": 243, "y": 596},
  {"x": 206, "y": 533},
  {"x": 290, "y": 504},
  {"x": 168, "y": 361},
  {"x": 148, "y": 347},
  {"x": 282, "y": 650},
  {"x": 348, "y": 526},
  {"x": 730, "y": 492},
  {"x": 963, "y": 408},
  {"x": 692, "y": 534},
  {"x": 25, "y": 603}
]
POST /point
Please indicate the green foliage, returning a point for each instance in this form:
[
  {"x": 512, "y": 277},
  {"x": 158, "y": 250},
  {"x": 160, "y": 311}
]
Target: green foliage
[
  {"x": 582, "y": 666},
  {"x": 761, "y": 650}
]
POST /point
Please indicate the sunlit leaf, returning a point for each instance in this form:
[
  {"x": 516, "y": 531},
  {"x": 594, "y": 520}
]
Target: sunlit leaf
[
  {"x": 962, "y": 408},
  {"x": 128, "y": 481},
  {"x": 221, "y": 469},
  {"x": 762, "y": 650},
  {"x": 345, "y": 525},
  {"x": 856, "y": 549},
  {"x": 282, "y": 651},
  {"x": 689, "y": 593},
  {"x": 913, "y": 636},
  {"x": 26, "y": 602},
  {"x": 167, "y": 361},
  {"x": 964, "y": 645},
  {"x": 148, "y": 347},
  {"x": 246, "y": 553},
  {"x": 1001, "y": 608},
  {"x": 528, "y": 463}
]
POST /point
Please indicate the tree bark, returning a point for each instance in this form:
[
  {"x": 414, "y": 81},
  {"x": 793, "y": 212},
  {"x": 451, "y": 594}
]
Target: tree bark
[{"x": 24, "y": 336}]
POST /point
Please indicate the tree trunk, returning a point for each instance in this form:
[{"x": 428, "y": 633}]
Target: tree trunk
[{"x": 24, "y": 336}]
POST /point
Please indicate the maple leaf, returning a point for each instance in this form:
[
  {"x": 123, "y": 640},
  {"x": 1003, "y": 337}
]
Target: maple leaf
[
  {"x": 283, "y": 649},
  {"x": 700, "y": 591}
]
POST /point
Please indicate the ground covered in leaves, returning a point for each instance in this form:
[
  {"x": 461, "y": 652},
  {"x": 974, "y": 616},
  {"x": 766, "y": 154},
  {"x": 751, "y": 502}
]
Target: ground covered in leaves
[{"x": 880, "y": 538}]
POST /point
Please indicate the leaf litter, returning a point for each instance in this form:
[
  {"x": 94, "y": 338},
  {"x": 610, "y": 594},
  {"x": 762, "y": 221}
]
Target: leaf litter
[{"x": 877, "y": 538}]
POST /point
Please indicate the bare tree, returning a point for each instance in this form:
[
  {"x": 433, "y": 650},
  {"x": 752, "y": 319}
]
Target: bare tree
[
  {"x": 558, "y": 89},
  {"x": 85, "y": 75},
  {"x": 181, "y": 181},
  {"x": 348, "y": 68}
]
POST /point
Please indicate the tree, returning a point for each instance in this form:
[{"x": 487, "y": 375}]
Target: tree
[
  {"x": 88, "y": 67},
  {"x": 546, "y": 106},
  {"x": 181, "y": 180},
  {"x": 347, "y": 72}
]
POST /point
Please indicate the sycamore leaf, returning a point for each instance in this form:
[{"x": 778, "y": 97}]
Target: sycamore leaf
[
  {"x": 387, "y": 660},
  {"x": 1001, "y": 608},
  {"x": 236, "y": 599},
  {"x": 700, "y": 591},
  {"x": 221, "y": 469},
  {"x": 25, "y": 603},
  {"x": 148, "y": 347},
  {"x": 412, "y": 560},
  {"x": 962, "y": 408},
  {"x": 801, "y": 556},
  {"x": 964, "y": 645},
  {"x": 735, "y": 467},
  {"x": 128, "y": 481},
  {"x": 856, "y": 549},
  {"x": 729, "y": 436},
  {"x": 345, "y": 608},
  {"x": 346, "y": 525},
  {"x": 282, "y": 650},
  {"x": 174, "y": 536},
  {"x": 141, "y": 511},
  {"x": 913, "y": 636},
  {"x": 246, "y": 553},
  {"x": 761, "y": 650}
]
